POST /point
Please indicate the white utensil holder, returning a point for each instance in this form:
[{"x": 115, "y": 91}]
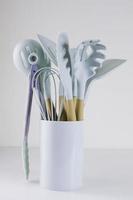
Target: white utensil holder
[{"x": 61, "y": 154}]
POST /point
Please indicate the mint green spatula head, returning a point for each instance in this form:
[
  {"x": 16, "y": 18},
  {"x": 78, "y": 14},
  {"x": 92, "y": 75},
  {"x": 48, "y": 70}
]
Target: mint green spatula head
[
  {"x": 49, "y": 48},
  {"x": 107, "y": 66}
]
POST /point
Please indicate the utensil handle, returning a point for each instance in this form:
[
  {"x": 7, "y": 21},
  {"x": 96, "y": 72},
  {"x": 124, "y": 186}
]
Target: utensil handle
[
  {"x": 51, "y": 110},
  {"x": 26, "y": 131},
  {"x": 70, "y": 110},
  {"x": 79, "y": 109},
  {"x": 62, "y": 110},
  {"x": 81, "y": 85}
]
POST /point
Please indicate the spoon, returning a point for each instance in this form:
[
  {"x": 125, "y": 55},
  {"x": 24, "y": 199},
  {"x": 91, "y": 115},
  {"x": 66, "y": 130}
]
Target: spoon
[{"x": 85, "y": 68}]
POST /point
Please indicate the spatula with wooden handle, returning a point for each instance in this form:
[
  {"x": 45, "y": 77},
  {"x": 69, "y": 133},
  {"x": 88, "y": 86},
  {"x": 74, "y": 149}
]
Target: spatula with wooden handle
[{"x": 85, "y": 68}]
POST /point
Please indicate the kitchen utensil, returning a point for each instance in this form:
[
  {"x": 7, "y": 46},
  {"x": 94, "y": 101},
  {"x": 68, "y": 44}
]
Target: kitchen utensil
[
  {"x": 28, "y": 56},
  {"x": 49, "y": 48},
  {"x": 85, "y": 68},
  {"x": 52, "y": 76},
  {"x": 21, "y": 55},
  {"x": 64, "y": 64},
  {"x": 107, "y": 66}
]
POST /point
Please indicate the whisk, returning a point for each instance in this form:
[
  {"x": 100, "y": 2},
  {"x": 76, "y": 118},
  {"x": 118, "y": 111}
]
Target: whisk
[{"x": 47, "y": 95}]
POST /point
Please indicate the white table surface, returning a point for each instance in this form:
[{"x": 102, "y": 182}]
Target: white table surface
[{"x": 108, "y": 174}]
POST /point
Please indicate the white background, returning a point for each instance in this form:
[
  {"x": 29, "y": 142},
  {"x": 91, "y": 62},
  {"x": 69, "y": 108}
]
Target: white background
[{"x": 109, "y": 112}]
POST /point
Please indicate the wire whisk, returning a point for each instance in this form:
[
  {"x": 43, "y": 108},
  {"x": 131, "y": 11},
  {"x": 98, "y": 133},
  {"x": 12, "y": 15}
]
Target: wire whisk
[{"x": 45, "y": 83}]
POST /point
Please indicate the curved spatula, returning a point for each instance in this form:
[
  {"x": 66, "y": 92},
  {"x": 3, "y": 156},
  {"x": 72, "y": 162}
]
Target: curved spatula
[{"x": 107, "y": 66}]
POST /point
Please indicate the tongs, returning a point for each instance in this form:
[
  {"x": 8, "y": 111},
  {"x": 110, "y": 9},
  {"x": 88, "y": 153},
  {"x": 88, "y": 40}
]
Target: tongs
[
  {"x": 29, "y": 57},
  {"x": 64, "y": 63}
]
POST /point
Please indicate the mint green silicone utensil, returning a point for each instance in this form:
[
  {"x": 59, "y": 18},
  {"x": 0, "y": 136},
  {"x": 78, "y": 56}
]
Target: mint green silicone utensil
[{"x": 107, "y": 66}]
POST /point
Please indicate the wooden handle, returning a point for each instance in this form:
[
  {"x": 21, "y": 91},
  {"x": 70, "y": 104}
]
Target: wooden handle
[
  {"x": 63, "y": 116},
  {"x": 72, "y": 110},
  {"x": 51, "y": 109},
  {"x": 79, "y": 109},
  {"x": 71, "y": 115},
  {"x": 74, "y": 101}
]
